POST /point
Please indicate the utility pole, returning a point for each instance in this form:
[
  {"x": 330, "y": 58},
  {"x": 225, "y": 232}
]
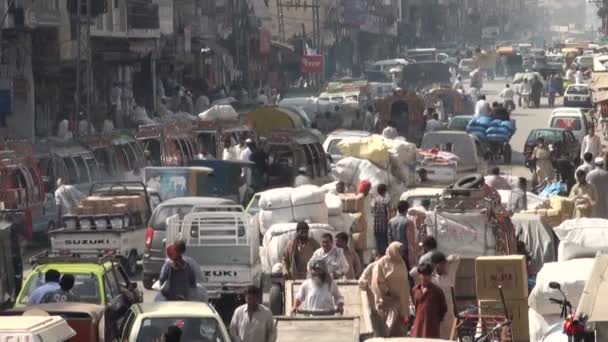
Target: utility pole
[
  {"x": 316, "y": 21},
  {"x": 83, "y": 62}
]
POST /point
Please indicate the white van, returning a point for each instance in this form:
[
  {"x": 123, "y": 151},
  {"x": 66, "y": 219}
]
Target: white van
[
  {"x": 35, "y": 328},
  {"x": 573, "y": 119}
]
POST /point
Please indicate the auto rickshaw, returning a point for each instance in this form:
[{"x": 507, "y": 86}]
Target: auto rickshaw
[
  {"x": 289, "y": 150},
  {"x": 170, "y": 144},
  {"x": 509, "y": 60},
  {"x": 454, "y": 103},
  {"x": 210, "y": 135},
  {"x": 405, "y": 108},
  {"x": 116, "y": 153},
  {"x": 268, "y": 119}
]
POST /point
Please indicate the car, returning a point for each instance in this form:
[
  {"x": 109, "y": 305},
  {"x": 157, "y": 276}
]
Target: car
[
  {"x": 100, "y": 281},
  {"x": 197, "y": 321},
  {"x": 330, "y": 145},
  {"x": 578, "y": 95},
  {"x": 573, "y": 119},
  {"x": 562, "y": 140},
  {"x": 459, "y": 123},
  {"x": 155, "y": 243},
  {"x": 584, "y": 62}
]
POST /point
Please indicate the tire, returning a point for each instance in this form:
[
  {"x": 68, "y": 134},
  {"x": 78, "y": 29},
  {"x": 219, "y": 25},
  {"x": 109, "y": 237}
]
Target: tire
[
  {"x": 148, "y": 281},
  {"x": 130, "y": 264},
  {"x": 507, "y": 154},
  {"x": 468, "y": 182},
  {"x": 276, "y": 299}
]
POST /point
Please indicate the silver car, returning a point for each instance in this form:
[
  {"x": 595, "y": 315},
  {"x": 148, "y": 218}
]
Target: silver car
[{"x": 155, "y": 243}]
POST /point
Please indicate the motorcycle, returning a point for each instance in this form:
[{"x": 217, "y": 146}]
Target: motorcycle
[{"x": 575, "y": 329}]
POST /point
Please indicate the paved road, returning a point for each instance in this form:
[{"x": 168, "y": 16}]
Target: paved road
[{"x": 527, "y": 120}]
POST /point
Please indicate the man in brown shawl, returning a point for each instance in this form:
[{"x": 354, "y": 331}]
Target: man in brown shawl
[
  {"x": 430, "y": 305},
  {"x": 298, "y": 252},
  {"x": 351, "y": 256},
  {"x": 390, "y": 287}
]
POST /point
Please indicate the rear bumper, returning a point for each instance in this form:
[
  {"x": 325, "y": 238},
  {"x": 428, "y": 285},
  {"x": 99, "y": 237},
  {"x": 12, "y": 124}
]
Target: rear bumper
[{"x": 152, "y": 264}]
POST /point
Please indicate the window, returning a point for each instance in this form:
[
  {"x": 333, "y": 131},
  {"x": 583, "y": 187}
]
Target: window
[
  {"x": 132, "y": 158},
  {"x": 577, "y": 90},
  {"x": 121, "y": 276},
  {"x": 193, "y": 329},
  {"x": 72, "y": 170},
  {"x": 332, "y": 148},
  {"x": 86, "y": 287},
  {"x": 572, "y": 123},
  {"x": 83, "y": 171},
  {"x": 127, "y": 324},
  {"x": 111, "y": 286},
  {"x": 162, "y": 214},
  {"x": 93, "y": 168}
]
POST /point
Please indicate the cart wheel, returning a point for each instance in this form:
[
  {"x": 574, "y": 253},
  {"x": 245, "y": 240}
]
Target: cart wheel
[
  {"x": 276, "y": 299},
  {"x": 507, "y": 154},
  {"x": 131, "y": 264},
  {"x": 148, "y": 281}
]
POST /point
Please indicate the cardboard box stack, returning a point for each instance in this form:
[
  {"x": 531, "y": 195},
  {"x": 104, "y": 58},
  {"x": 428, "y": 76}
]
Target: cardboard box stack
[
  {"x": 560, "y": 209},
  {"x": 353, "y": 204},
  {"x": 509, "y": 272}
]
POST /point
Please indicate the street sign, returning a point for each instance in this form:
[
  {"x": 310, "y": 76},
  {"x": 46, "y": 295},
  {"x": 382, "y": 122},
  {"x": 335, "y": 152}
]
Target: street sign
[{"x": 312, "y": 64}]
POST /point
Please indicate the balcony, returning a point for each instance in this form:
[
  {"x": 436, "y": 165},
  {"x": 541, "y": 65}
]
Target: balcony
[{"x": 130, "y": 19}]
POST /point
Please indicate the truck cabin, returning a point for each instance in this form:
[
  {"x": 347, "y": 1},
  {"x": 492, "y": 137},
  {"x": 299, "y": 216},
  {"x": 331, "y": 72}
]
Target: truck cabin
[
  {"x": 210, "y": 136},
  {"x": 166, "y": 145},
  {"x": 117, "y": 153},
  {"x": 73, "y": 163},
  {"x": 11, "y": 265},
  {"x": 422, "y": 55},
  {"x": 290, "y": 150}
]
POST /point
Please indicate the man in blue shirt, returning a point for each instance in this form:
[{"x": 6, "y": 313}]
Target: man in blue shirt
[
  {"x": 397, "y": 231},
  {"x": 51, "y": 279}
]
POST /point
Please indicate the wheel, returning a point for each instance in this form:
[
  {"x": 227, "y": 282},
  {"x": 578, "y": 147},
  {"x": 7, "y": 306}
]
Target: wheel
[
  {"x": 468, "y": 182},
  {"x": 130, "y": 264},
  {"x": 148, "y": 281},
  {"x": 507, "y": 154},
  {"x": 276, "y": 299}
]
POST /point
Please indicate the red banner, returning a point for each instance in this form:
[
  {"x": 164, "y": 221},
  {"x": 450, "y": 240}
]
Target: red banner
[
  {"x": 312, "y": 64},
  {"x": 264, "y": 42}
]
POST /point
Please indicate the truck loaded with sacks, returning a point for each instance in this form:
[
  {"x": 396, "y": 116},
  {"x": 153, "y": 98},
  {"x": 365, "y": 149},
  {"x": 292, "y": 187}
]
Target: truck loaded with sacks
[{"x": 277, "y": 216}]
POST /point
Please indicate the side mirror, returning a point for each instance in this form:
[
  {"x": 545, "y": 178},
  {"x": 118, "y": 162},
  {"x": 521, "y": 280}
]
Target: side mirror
[{"x": 555, "y": 285}]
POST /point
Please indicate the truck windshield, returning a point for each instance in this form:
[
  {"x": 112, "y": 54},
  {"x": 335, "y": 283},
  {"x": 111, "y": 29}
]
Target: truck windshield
[
  {"x": 160, "y": 216},
  {"x": 86, "y": 287},
  {"x": 195, "y": 329}
]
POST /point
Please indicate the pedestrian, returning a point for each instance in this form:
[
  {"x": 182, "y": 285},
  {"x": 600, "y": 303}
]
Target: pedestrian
[
  {"x": 51, "y": 284},
  {"x": 84, "y": 126},
  {"x": 302, "y": 177},
  {"x": 482, "y": 108},
  {"x": 108, "y": 124},
  {"x": 298, "y": 252},
  {"x": 458, "y": 84},
  {"x": 332, "y": 256},
  {"x": 587, "y": 164},
  {"x": 246, "y": 152},
  {"x": 508, "y": 97},
  {"x": 351, "y": 256},
  {"x": 526, "y": 88},
  {"x": 552, "y": 89},
  {"x": 578, "y": 77},
  {"x": 598, "y": 177},
  {"x": 63, "y": 128},
  {"x": 198, "y": 293},
  {"x": 444, "y": 276},
  {"x": 229, "y": 153},
  {"x": 259, "y": 170},
  {"x": 368, "y": 123},
  {"x": 584, "y": 196},
  {"x": 178, "y": 279},
  {"x": 381, "y": 210},
  {"x": 398, "y": 228},
  {"x": 434, "y": 124},
  {"x": 64, "y": 293},
  {"x": 497, "y": 181},
  {"x": 173, "y": 334},
  {"x": 390, "y": 287},
  {"x": 536, "y": 91},
  {"x": 67, "y": 197},
  {"x": 430, "y": 305},
  {"x": 319, "y": 292},
  {"x": 542, "y": 157},
  {"x": 519, "y": 197},
  {"x": 592, "y": 144},
  {"x": 429, "y": 248},
  {"x": 570, "y": 76},
  {"x": 365, "y": 283},
  {"x": 252, "y": 321},
  {"x": 390, "y": 131}
]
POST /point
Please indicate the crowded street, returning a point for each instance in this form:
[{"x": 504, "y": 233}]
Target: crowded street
[{"x": 280, "y": 171}]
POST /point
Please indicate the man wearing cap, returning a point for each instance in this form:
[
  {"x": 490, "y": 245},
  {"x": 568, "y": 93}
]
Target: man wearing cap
[
  {"x": 598, "y": 177},
  {"x": 302, "y": 178}
]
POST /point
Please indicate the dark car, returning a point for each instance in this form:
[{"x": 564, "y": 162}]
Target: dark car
[{"x": 564, "y": 143}]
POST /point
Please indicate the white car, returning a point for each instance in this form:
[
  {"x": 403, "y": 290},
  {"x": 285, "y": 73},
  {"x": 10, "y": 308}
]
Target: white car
[
  {"x": 578, "y": 95},
  {"x": 330, "y": 145},
  {"x": 573, "y": 119}
]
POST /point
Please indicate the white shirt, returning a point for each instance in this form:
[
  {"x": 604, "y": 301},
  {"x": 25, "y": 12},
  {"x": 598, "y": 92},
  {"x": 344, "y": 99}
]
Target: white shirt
[
  {"x": 324, "y": 298},
  {"x": 245, "y": 154},
  {"x": 433, "y": 125},
  {"x": 301, "y": 180},
  {"x": 259, "y": 328},
  {"x": 570, "y": 75},
  {"x": 108, "y": 126},
  {"x": 592, "y": 145},
  {"x": 507, "y": 94},
  {"x": 63, "y": 130},
  {"x": 334, "y": 259},
  {"x": 587, "y": 167},
  {"x": 229, "y": 154},
  {"x": 579, "y": 77},
  {"x": 482, "y": 108},
  {"x": 67, "y": 197}
]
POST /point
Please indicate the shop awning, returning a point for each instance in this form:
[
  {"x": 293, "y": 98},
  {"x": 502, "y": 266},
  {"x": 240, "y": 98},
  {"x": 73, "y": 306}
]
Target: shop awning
[
  {"x": 600, "y": 96},
  {"x": 599, "y": 81}
]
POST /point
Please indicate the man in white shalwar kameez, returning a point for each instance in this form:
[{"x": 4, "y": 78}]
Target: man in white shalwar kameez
[
  {"x": 336, "y": 262},
  {"x": 444, "y": 276}
]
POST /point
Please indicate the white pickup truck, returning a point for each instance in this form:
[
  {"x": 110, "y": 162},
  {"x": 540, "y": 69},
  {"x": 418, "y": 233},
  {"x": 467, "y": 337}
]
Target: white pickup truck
[
  {"x": 120, "y": 230},
  {"x": 224, "y": 244}
]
